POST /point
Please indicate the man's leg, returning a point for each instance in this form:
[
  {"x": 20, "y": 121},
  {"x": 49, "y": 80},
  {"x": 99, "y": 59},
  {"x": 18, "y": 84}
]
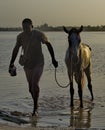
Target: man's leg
[
  {"x": 33, "y": 77},
  {"x": 37, "y": 72}
]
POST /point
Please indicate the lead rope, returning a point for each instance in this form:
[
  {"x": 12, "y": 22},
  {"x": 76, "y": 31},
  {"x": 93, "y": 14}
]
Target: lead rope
[{"x": 58, "y": 82}]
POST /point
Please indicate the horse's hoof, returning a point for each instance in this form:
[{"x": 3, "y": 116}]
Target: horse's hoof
[
  {"x": 71, "y": 105},
  {"x": 92, "y": 99},
  {"x": 81, "y": 106},
  {"x": 35, "y": 114}
]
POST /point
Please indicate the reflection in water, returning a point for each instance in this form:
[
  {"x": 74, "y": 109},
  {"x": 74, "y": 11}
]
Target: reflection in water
[
  {"x": 80, "y": 118},
  {"x": 54, "y": 111},
  {"x": 34, "y": 121}
]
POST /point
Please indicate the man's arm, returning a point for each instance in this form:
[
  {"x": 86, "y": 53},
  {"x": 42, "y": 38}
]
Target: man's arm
[
  {"x": 15, "y": 51},
  {"x": 51, "y": 51},
  {"x": 14, "y": 55}
]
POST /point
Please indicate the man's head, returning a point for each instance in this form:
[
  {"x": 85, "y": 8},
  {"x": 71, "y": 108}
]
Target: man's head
[{"x": 27, "y": 24}]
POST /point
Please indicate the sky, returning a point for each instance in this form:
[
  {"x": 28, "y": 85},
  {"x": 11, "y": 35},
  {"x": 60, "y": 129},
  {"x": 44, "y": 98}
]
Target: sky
[{"x": 52, "y": 12}]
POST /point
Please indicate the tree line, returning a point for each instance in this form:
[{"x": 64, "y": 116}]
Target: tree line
[{"x": 46, "y": 27}]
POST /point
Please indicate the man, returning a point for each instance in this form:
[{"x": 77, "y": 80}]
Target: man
[{"x": 31, "y": 40}]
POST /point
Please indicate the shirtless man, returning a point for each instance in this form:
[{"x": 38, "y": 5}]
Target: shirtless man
[{"x": 34, "y": 64}]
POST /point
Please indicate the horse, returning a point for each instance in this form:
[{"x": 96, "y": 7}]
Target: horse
[{"x": 78, "y": 63}]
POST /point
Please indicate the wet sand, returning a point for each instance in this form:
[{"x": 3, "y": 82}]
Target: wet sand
[
  {"x": 58, "y": 115},
  {"x": 2, "y": 127}
]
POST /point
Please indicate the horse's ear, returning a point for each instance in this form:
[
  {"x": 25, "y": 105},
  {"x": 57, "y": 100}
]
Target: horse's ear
[
  {"x": 81, "y": 28},
  {"x": 64, "y": 28}
]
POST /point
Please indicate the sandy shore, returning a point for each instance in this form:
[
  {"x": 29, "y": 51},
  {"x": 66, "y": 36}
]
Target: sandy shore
[{"x": 5, "y": 127}]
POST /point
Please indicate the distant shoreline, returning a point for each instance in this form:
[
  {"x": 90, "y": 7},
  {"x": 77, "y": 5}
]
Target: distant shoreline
[{"x": 46, "y": 27}]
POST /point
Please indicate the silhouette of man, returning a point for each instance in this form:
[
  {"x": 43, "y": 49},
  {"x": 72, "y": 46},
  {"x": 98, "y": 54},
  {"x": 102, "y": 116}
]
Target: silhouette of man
[{"x": 30, "y": 40}]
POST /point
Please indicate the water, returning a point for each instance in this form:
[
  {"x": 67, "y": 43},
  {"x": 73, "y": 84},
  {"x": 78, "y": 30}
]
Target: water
[{"x": 54, "y": 101}]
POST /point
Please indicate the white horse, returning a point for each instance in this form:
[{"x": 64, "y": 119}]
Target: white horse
[{"x": 78, "y": 61}]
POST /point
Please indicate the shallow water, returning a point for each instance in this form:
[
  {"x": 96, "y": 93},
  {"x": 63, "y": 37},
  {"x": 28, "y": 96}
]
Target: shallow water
[{"x": 54, "y": 102}]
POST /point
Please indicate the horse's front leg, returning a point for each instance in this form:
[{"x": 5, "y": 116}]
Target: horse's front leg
[
  {"x": 71, "y": 87},
  {"x": 80, "y": 94},
  {"x": 70, "y": 75},
  {"x": 71, "y": 93},
  {"x": 80, "y": 86}
]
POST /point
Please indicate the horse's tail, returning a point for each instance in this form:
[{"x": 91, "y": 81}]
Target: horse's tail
[
  {"x": 83, "y": 81},
  {"x": 87, "y": 46},
  {"x": 90, "y": 48}
]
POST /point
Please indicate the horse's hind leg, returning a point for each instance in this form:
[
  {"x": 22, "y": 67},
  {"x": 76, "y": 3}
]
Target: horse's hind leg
[
  {"x": 80, "y": 87},
  {"x": 88, "y": 75}
]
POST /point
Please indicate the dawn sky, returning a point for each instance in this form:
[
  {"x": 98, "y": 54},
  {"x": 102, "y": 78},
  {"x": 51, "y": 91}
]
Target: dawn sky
[{"x": 52, "y": 12}]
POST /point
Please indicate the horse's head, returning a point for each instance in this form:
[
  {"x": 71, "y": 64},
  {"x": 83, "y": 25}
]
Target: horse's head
[{"x": 74, "y": 41}]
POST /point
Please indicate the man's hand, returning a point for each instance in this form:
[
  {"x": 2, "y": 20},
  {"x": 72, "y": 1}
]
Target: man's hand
[
  {"x": 12, "y": 70},
  {"x": 55, "y": 63},
  {"x": 10, "y": 67}
]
